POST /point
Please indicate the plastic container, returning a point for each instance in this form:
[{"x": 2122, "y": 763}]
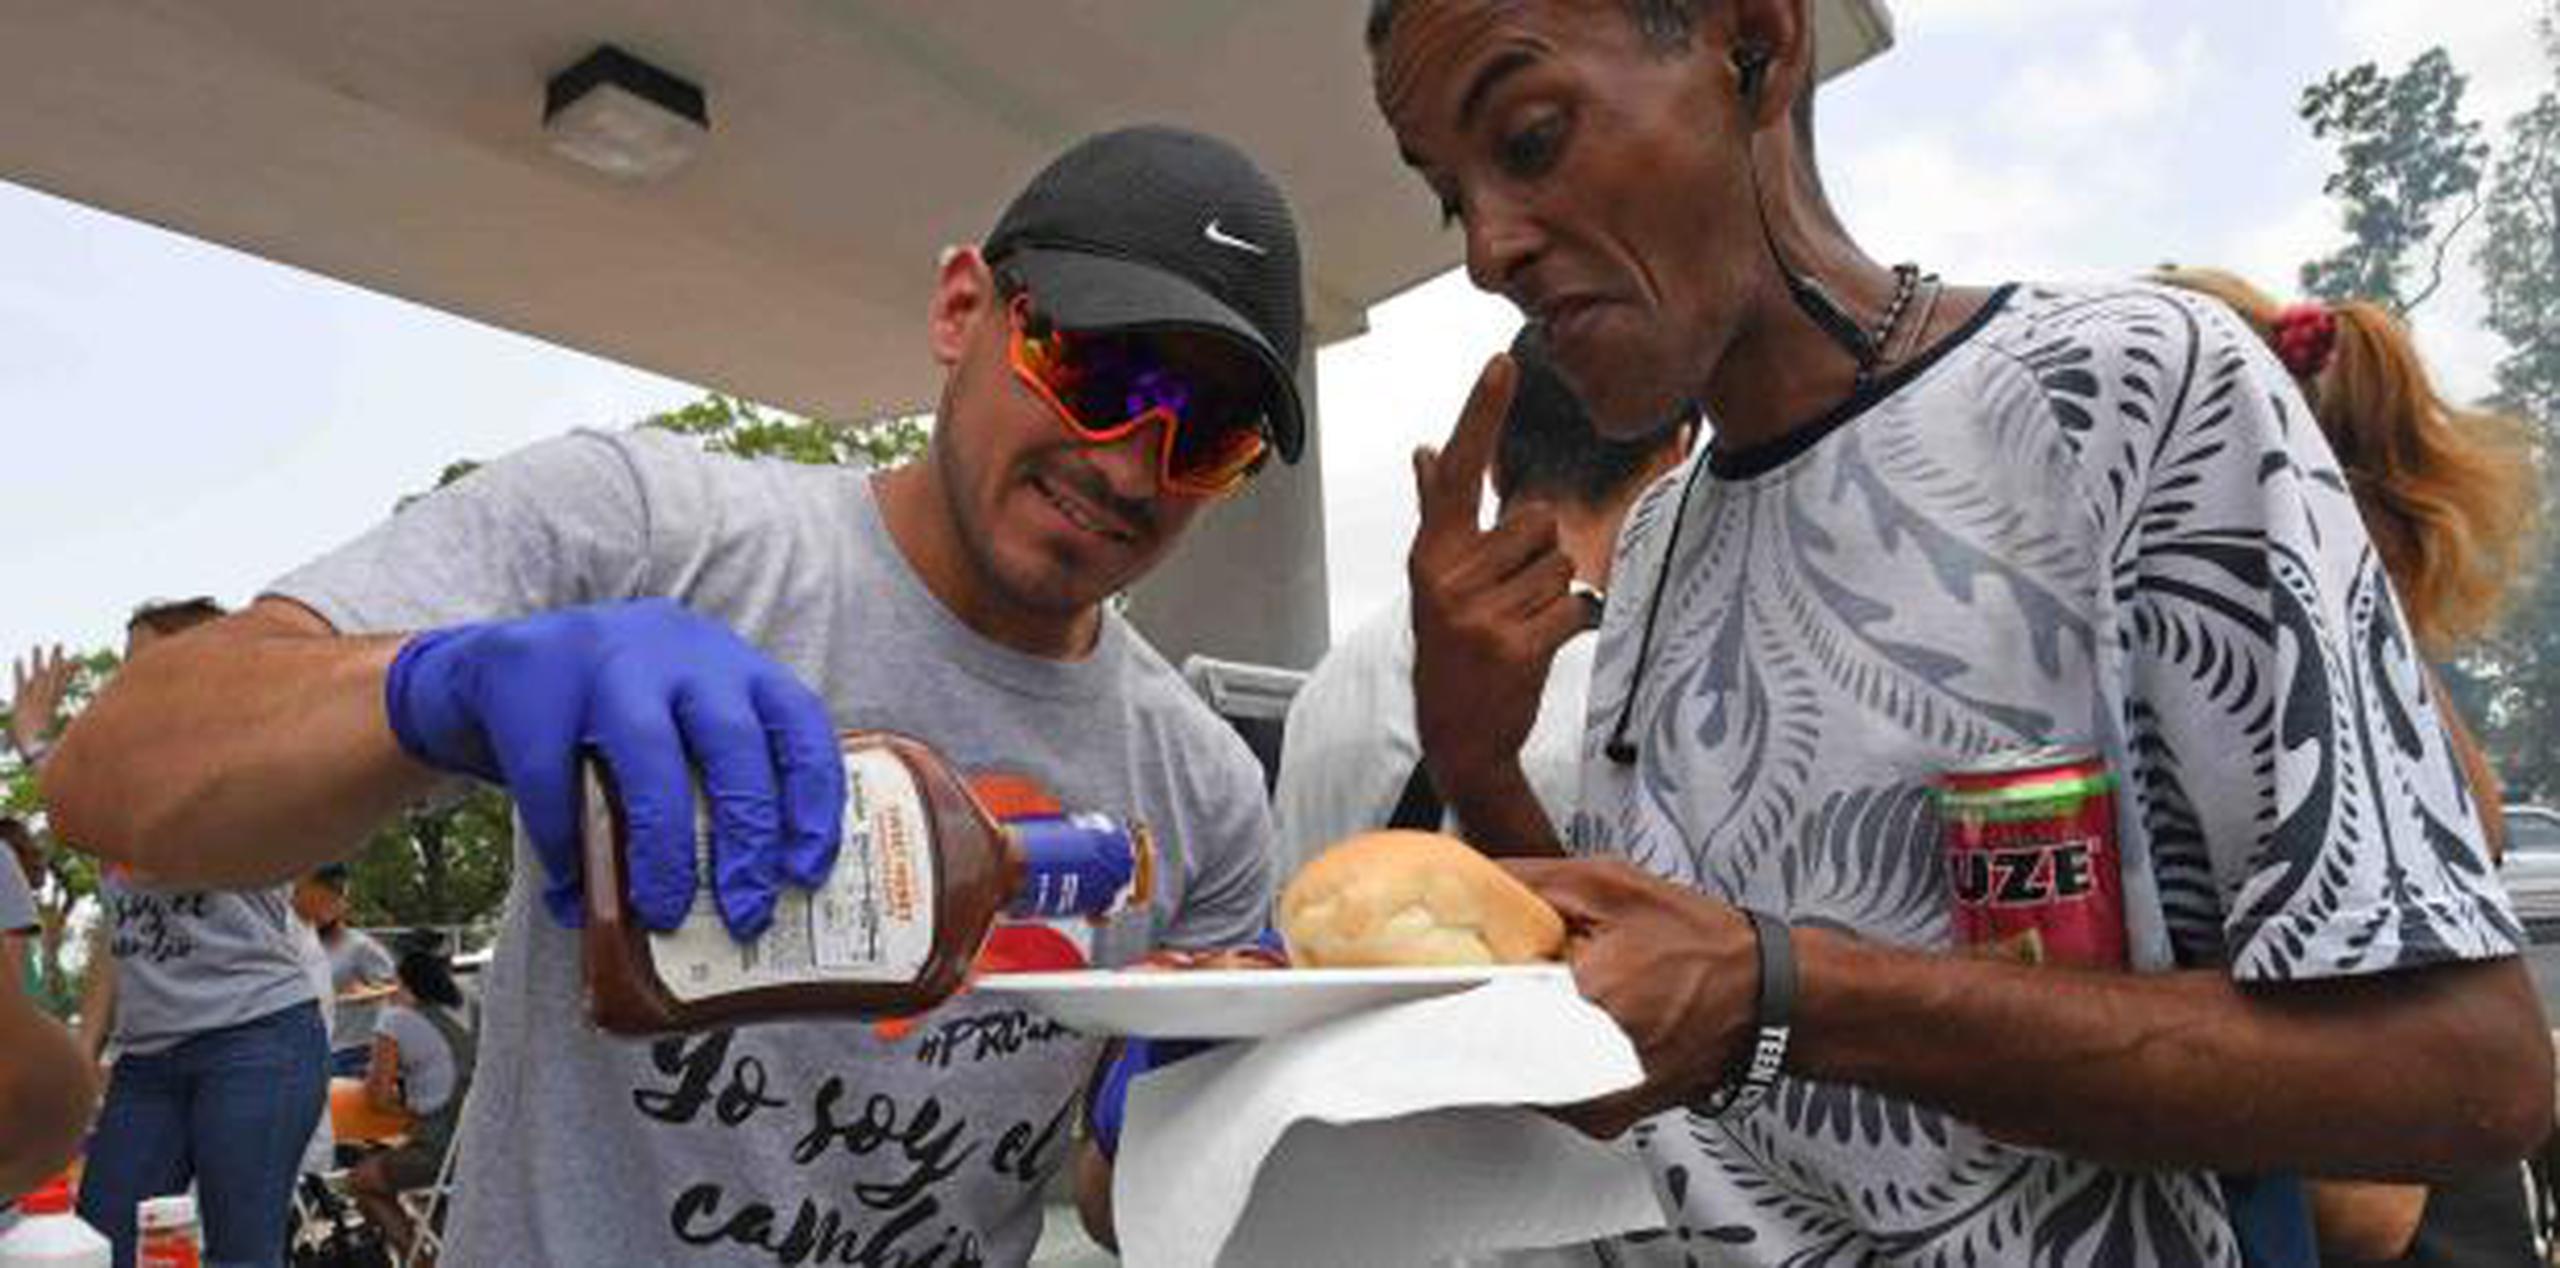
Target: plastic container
[
  {"x": 52, "y": 1235},
  {"x": 170, "y": 1238},
  {"x": 925, "y": 871}
]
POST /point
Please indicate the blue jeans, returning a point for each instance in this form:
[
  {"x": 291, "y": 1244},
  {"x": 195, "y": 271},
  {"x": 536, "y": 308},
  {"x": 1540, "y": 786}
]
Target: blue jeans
[
  {"x": 2271, "y": 1219},
  {"x": 230, "y": 1110}
]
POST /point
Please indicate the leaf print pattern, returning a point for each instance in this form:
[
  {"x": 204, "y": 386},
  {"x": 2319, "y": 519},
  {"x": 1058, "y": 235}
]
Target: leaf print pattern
[{"x": 2100, "y": 516}]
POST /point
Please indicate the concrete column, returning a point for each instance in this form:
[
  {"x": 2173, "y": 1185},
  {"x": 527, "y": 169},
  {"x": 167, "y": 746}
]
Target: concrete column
[{"x": 1247, "y": 583}]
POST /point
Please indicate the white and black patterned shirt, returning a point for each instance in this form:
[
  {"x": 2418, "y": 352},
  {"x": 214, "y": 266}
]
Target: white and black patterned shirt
[{"x": 2096, "y": 515}]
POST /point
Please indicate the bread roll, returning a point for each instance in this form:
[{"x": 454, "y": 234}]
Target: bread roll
[{"x": 1405, "y": 899}]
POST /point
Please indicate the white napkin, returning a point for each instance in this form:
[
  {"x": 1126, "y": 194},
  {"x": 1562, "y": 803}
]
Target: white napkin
[{"x": 1390, "y": 1137}]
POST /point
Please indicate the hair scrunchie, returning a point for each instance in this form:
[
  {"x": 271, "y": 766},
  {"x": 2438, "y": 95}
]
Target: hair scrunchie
[{"x": 2304, "y": 337}]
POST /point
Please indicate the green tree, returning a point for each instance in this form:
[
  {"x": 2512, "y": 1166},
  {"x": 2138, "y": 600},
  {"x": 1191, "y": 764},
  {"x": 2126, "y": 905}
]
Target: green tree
[
  {"x": 441, "y": 865},
  {"x": 2407, "y": 157},
  {"x": 725, "y": 424},
  {"x": 448, "y": 864},
  {"x": 452, "y": 471},
  {"x": 2410, "y": 179},
  {"x": 2519, "y": 260}
]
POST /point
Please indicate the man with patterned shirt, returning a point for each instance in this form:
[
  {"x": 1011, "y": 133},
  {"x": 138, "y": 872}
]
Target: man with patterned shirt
[{"x": 1936, "y": 523}]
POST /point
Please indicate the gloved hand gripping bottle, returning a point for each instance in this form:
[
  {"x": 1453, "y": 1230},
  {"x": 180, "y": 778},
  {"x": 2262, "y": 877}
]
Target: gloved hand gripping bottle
[{"x": 924, "y": 873}]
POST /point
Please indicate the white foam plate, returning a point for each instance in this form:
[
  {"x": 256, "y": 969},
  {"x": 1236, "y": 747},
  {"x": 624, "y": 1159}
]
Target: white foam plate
[{"x": 1232, "y": 1003}]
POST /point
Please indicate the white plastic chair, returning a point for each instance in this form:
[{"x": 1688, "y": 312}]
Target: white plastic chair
[{"x": 424, "y": 1207}]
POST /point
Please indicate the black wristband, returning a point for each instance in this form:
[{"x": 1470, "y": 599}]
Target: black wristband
[{"x": 1755, "y": 1069}]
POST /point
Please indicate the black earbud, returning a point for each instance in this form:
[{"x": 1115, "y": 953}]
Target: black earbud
[{"x": 1751, "y": 65}]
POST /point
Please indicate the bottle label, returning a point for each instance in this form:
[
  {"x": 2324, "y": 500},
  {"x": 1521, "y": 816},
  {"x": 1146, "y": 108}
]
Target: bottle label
[
  {"x": 1074, "y": 865},
  {"x": 871, "y": 921}
]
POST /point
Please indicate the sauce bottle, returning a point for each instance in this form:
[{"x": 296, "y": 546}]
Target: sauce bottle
[{"x": 923, "y": 874}]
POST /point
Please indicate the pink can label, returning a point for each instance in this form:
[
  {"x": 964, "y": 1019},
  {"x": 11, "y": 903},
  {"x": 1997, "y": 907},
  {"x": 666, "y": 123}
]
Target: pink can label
[{"x": 2032, "y": 858}]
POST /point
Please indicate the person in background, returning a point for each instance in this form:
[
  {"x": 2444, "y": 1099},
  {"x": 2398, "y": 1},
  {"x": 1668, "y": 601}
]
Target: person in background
[
  {"x": 48, "y": 1087},
  {"x": 207, "y": 999},
  {"x": 320, "y": 1154},
  {"x": 1938, "y": 525},
  {"x": 1351, "y": 756},
  {"x": 1118, "y": 356},
  {"x": 2451, "y": 498},
  {"x": 29, "y": 856},
  {"x": 360, "y": 971},
  {"x": 419, "y": 1064},
  {"x": 40, "y": 682}
]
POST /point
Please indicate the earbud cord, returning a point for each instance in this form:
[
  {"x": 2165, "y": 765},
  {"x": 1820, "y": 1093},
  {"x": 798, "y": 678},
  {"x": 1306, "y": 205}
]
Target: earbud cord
[{"x": 1621, "y": 749}]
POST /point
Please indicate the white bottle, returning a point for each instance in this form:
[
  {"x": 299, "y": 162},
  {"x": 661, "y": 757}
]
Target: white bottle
[
  {"x": 169, "y": 1235},
  {"x": 52, "y": 1235}
]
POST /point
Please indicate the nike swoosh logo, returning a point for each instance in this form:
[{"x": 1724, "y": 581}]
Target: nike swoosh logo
[{"x": 1226, "y": 239}]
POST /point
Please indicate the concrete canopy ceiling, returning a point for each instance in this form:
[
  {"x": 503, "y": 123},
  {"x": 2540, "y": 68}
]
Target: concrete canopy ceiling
[{"x": 397, "y": 145}]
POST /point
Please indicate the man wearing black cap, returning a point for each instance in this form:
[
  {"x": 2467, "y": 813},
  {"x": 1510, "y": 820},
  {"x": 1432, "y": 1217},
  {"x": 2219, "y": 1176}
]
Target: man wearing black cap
[{"x": 1118, "y": 355}]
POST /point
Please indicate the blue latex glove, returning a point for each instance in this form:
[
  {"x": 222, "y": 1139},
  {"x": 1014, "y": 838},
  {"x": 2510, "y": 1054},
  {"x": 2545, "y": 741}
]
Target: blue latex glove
[
  {"x": 650, "y": 686},
  {"x": 1110, "y": 1103}
]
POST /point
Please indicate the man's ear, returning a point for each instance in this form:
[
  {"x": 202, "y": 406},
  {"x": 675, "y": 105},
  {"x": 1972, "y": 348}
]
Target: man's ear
[
  {"x": 1774, "y": 36},
  {"x": 964, "y": 294}
]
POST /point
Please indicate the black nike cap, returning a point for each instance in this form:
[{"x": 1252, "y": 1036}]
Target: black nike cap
[{"x": 1158, "y": 228}]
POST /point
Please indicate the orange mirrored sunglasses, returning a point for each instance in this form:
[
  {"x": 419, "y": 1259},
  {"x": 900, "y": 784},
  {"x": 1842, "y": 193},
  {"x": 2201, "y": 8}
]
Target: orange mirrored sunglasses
[{"x": 1104, "y": 386}]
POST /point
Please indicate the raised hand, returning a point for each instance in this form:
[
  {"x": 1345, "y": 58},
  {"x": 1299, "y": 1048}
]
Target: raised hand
[
  {"x": 39, "y": 681},
  {"x": 658, "y": 692},
  {"x": 1490, "y": 606}
]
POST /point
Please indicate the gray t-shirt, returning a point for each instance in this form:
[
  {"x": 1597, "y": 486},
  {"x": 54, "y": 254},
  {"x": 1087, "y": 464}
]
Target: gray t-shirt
[
  {"x": 2102, "y": 517},
  {"x": 189, "y": 962},
  {"x": 427, "y": 1071},
  {"x": 356, "y": 961},
  {"x": 806, "y": 1141},
  {"x": 17, "y": 904}
]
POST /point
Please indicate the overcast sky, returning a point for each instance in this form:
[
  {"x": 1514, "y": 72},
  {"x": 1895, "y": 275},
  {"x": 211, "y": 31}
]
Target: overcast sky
[{"x": 182, "y": 418}]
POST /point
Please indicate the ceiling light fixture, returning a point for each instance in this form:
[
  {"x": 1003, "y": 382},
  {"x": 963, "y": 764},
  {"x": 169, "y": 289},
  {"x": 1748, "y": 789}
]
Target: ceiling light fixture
[{"x": 624, "y": 117}]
